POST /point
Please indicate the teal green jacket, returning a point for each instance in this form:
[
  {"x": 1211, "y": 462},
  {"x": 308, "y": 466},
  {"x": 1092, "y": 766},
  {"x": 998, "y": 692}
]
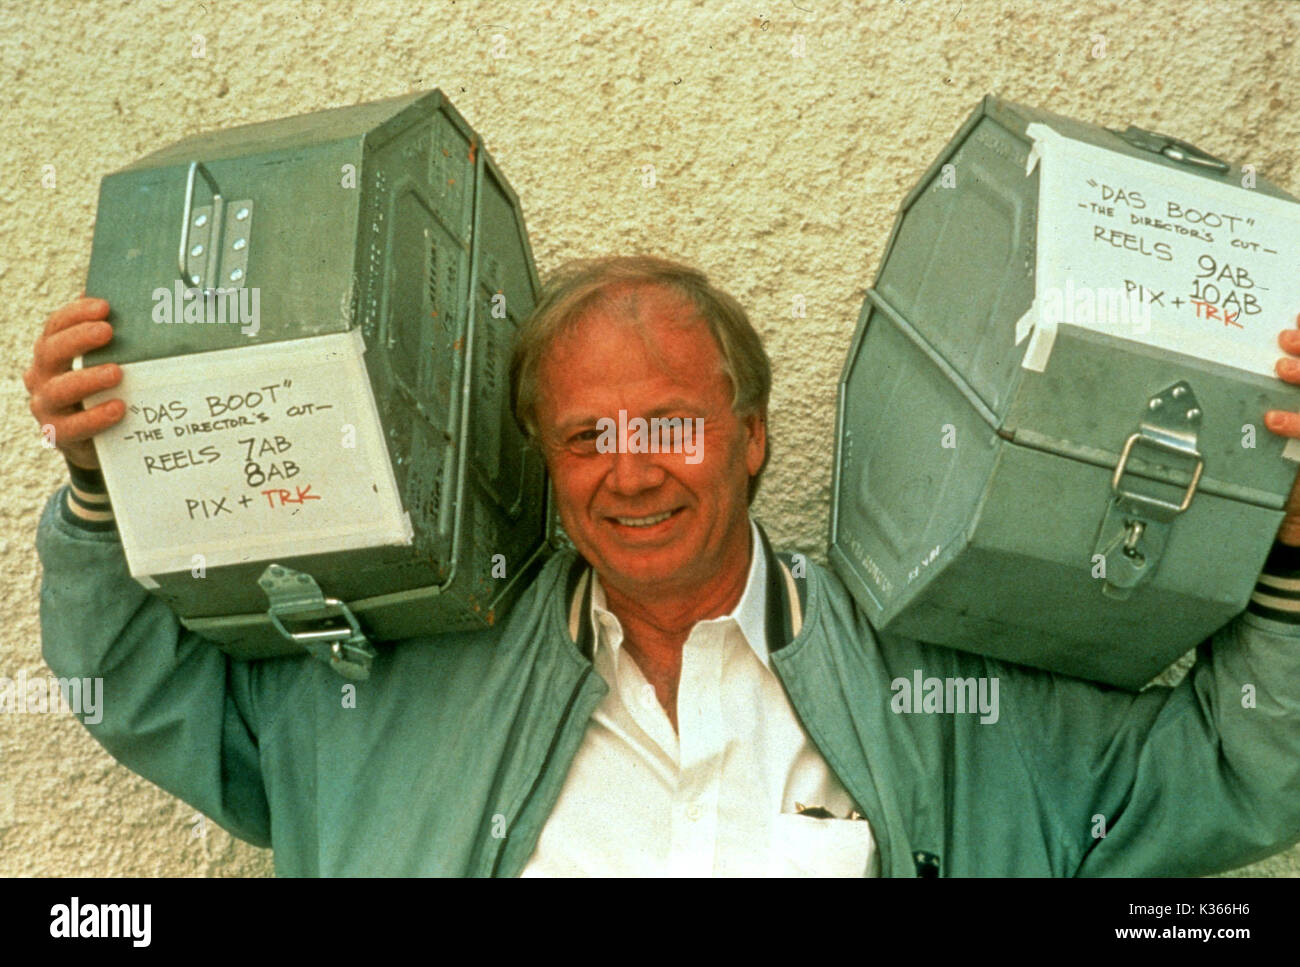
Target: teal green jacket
[{"x": 458, "y": 744}]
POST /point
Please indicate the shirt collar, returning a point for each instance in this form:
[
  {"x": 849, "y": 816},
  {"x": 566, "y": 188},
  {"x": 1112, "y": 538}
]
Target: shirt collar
[{"x": 750, "y": 613}]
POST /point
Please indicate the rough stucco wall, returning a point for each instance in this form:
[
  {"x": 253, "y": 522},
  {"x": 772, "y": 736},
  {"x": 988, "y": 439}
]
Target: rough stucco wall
[{"x": 778, "y": 174}]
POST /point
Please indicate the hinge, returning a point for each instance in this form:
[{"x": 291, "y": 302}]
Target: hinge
[
  {"x": 1172, "y": 148},
  {"x": 215, "y": 238}
]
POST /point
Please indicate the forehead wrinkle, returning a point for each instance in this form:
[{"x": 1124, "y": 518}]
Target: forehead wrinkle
[{"x": 626, "y": 305}]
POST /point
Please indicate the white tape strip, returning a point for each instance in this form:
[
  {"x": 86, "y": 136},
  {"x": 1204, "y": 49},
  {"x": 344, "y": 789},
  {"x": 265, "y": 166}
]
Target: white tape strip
[
  {"x": 1026, "y": 322},
  {"x": 1040, "y": 345},
  {"x": 1047, "y": 140},
  {"x": 1292, "y": 450},
  {"x": 1040, "y": 348},
  {"x": 1034, "y": 154}
]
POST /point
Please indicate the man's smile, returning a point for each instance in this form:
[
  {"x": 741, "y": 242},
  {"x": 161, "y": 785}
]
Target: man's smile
[{"x": 645, "y": 524}]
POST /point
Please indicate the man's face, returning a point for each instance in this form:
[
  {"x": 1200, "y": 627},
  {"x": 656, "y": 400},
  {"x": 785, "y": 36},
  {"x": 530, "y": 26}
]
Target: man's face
[{"x": 610, "y": 502}]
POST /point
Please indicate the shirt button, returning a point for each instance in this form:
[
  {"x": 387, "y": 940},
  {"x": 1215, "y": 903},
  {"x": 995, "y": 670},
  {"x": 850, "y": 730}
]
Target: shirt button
[
  {"x": 694, "y": 812},
  {"x": 648, "y": 697}
]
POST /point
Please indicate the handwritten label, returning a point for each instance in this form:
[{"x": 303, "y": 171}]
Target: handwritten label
[
  {"x": 1160, "y": 256},
  {"x": 249, "y": 454}
]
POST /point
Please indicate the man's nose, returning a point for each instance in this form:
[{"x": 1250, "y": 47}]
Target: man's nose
[{"x": 633, "y": 473}]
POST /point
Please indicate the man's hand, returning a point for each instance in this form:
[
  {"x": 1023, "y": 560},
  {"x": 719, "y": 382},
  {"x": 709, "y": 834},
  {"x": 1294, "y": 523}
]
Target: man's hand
[
  {"x": 1287, "y": 424},
  {"x": 57, "y": 391}
]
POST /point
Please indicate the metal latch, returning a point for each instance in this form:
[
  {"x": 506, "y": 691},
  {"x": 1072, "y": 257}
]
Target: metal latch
[
  {"x": 1136, "y": 526},
  {"x": 1172, "y": 148},
  {"x": 296, "y": 597},
  {"x": 215, "y": 238}
]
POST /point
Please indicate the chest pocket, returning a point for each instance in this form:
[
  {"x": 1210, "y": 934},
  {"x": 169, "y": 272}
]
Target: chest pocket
[{"x": 807, "y": 846}]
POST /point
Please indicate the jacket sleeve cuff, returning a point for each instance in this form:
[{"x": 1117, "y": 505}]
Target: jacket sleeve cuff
[
  {"x": 86, "y": 505},
  {"x": 1277, "y": 592}
]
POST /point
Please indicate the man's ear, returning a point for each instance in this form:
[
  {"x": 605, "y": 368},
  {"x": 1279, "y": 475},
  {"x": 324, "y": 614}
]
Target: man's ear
[{"x": 756, "y": 442}]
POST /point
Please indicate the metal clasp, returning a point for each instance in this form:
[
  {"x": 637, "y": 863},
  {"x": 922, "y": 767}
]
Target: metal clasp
[
  {"x": 1155, "y": 502},
  {"x": 1132, "y": 535},
  {"x": 296, "y": 597},
  {"x": 1135, "y": 525}
]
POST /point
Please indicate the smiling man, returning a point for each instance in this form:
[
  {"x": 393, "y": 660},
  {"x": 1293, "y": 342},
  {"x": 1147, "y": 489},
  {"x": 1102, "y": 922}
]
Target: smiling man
[
  {"x": 670, "y": 539},
  {"x": 673, "y": 698},
  {"x": 695, "y": 754}
]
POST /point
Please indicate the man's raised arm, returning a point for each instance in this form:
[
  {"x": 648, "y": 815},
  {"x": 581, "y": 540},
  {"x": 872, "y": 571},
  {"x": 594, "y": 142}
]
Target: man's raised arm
[
  {"x": 174, "y": 709},
  {"x": 1201, "y": 778}
]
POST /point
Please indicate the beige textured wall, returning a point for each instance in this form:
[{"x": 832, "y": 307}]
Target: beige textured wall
[{"x": 779, "y": 174}]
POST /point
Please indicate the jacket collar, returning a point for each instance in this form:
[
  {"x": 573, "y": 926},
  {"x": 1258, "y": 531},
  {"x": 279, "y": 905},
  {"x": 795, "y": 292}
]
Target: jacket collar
[{"x": 785, "y": 601}]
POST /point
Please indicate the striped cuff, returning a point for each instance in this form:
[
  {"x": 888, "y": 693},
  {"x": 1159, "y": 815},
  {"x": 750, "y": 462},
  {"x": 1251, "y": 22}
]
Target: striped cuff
[
  {"x": 1277, "y": 593},
  {"x": 87, "y": 503}
]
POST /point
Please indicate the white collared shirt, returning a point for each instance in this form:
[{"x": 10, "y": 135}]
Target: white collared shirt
[{"x": 716, "y": 798}]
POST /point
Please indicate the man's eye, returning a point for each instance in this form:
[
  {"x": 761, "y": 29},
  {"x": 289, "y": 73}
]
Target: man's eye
[{"x": 583, "y": 442}]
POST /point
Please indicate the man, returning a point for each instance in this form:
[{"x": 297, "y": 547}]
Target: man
[{"x": 673, "y": 699}]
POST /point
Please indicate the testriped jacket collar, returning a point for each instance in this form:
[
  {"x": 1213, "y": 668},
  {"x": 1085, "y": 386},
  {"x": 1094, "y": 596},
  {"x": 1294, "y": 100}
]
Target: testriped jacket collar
[{"x": 786, "y": 600}]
